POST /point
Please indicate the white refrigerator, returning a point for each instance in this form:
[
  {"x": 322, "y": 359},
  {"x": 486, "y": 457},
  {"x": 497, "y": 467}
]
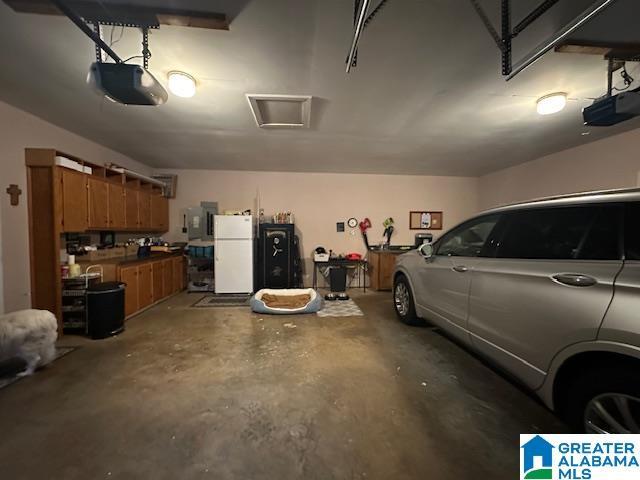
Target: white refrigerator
[{"x": 233, "y": 239}]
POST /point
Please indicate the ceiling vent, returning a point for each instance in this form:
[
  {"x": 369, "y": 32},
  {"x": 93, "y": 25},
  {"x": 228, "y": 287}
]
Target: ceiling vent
[{"x": 280, "y": 111}]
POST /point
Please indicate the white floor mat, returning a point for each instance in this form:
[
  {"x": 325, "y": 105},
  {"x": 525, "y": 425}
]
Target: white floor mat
[{"x": 340, "y": 308}]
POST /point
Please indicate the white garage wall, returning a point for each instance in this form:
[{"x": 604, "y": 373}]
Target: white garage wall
[
  {"x": 320, "y": 200},
  {"x": 605, "y": 164},
  {"x": 19, "y": 130}
]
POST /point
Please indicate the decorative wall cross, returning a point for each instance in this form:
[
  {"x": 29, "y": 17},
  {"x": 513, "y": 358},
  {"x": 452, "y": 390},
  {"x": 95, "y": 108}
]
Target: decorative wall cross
[{"x": 14, "y": 192}]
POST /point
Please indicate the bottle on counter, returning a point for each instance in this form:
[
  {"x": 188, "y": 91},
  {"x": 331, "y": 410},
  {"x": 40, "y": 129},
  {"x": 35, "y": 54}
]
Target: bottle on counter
[{"x": 74, "y": 268}]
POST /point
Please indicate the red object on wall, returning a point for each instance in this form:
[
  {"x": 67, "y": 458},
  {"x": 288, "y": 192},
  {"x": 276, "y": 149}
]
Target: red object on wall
[{"x": 365, "y": 225}]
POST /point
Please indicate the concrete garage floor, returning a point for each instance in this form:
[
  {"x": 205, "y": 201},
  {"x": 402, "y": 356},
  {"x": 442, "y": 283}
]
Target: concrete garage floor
[{"x": 191, "y": 393}]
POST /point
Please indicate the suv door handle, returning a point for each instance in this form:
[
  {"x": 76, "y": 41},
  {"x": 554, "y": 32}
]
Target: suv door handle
[
  {"x": 575, "y": 279},
  {"x": 460, "y": 269}
]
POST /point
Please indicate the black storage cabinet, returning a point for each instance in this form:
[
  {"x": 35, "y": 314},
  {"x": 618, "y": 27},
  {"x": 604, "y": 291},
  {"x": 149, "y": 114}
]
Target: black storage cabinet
[
  {"x": 276, "y": 256},
  {"x": 105, "y": 309}
]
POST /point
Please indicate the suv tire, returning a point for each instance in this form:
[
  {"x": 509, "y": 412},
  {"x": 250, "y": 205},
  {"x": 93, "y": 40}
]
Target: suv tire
[
  {"x": 403, "y": 301},
  {"x": 604, "y": 400}
]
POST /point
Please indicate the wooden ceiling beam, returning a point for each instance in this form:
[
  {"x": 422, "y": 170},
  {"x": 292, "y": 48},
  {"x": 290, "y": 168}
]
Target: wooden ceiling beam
[
  {"x": 124, "y": 13},
  {"x": 616, "y": 51}
]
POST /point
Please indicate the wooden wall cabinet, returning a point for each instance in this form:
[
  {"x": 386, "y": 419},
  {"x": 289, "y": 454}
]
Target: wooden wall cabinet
[
  {"x": 98, "y": 204},
  {"x": 101, "y": 200},
  {"x": 381, "y": 267},
  {"x": 159, "y": 212},
  {"x": 74, "y": 201},
  {"x": 132, "y": 221},
  {"x": 144, "y": 210},
  {"x": 117, "y": 212}
]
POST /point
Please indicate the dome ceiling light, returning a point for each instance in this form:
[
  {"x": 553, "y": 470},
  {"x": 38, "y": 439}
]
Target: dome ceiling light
[
  {"x": 550, "y": 104},
  {"x": 182, "y": 84}
]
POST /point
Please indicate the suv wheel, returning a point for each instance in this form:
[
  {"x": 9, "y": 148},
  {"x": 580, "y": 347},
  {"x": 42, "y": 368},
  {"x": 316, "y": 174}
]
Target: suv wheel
[
  {"x": 605, "y": 401},
  {"x": 403, "y": 301},
  {"x": 612, "y": 413}
]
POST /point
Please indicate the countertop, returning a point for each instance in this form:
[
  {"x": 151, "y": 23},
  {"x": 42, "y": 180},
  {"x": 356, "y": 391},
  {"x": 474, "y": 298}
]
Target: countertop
[
  {"x": 392, "y": 251},
  {"x": 131, "y": 259}
]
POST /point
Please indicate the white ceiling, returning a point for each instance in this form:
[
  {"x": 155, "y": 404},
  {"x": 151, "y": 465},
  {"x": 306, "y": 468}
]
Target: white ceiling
[{"x": 427, "y": 96}]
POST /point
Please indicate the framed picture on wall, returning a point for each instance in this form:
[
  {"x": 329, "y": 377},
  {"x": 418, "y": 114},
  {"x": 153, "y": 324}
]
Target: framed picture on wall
[{"x": 424, "y": 220}]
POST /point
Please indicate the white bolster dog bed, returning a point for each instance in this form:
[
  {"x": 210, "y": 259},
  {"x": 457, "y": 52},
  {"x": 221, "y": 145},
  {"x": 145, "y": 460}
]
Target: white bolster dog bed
[{"x": 259, "y": 306}]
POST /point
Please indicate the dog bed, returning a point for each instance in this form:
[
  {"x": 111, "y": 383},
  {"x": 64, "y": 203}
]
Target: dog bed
[{"x": 286, "y": 301}]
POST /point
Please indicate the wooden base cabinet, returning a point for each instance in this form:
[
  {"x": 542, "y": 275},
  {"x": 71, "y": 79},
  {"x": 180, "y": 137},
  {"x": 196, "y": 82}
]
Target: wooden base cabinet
[
  {"x": 145, "y": 285},
  {"x": 129, "y": 276},
  {"x": 167, "y": 275},
  {"x": 178, "y": 274},
  {"x": 150, "y": 281},
  {"x": 158, "y": 279},
  {"x": 381, "y": 267}
]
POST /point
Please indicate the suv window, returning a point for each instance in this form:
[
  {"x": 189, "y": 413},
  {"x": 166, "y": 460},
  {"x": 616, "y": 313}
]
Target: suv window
[
  {"x": 603, "y": 238},
  {"x": 468, "y": 239},
  {"x": 562, "y": 233},
  {"x": 632, "y": 231}
]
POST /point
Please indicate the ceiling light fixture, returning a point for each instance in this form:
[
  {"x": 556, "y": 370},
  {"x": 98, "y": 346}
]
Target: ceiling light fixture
[
  {"x": 550, "y": 104},
  {"x": 182, "y": 84}
]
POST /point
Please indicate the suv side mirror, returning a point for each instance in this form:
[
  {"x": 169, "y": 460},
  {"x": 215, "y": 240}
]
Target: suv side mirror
[{"x": 426, "y": 250}]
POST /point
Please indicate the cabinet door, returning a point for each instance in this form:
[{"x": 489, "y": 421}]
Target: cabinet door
[
  {"x": 387, "y": 266},
  {"x": 132, "y": 221},
  {"x": 98, "y": 204},
  {"x": 158, "y": 279},
  {"x": 129, "y": 276},
  {"x": 164, "y": 214},
  {"x": 144, "y": 210},
  {"x": 74, "y": 201},
  {"x": 145, "y": 285},
  {"x": 117, "y": 217},
  {"x": 159, "y": 213},
  {"x": 374, "y": 270},
  {"x": 167, "y": 277},
  {"x": 178, "y": 274}
]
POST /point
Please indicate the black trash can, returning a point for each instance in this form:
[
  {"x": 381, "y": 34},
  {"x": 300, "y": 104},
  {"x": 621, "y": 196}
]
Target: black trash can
[
  {"x": 338, "y": 279},
  {"x": 105, "y": 309}
]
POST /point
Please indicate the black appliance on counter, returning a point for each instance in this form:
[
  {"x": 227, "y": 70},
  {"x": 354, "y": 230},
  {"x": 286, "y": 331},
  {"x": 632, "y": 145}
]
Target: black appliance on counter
[
  {"x": 278, "y": 256},
  {"x": 423, "y": 238},
  {"x": 105, "y": 309}
]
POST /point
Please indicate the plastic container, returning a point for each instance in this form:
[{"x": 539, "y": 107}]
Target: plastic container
[
  {"x": 338, "y": 279},
  {"x": 105, "y": 309},
  {"x": 201, "y": 252},
  {"x": 74, "y": 270}
]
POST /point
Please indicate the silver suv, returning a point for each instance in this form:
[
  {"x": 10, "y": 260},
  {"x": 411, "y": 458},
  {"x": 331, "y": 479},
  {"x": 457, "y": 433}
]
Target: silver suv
[{"x": 549, "y": 291}]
